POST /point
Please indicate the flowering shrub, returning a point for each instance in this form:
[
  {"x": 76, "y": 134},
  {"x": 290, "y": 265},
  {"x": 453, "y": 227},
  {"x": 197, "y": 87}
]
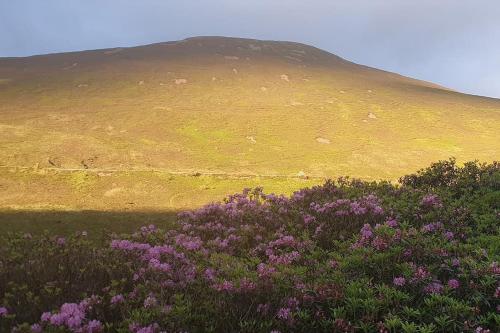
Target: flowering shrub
[{"x": 347, "y": 256}]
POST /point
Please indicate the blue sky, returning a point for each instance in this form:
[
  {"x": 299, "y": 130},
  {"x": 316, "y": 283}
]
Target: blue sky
[{"x": 455, "y": 43}]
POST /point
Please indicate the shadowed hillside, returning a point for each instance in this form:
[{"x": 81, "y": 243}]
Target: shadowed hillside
[{"x": 226, "y": 106}]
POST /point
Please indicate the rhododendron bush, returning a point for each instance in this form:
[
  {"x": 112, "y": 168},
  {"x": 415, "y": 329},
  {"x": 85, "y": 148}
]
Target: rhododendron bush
[{"x": 347, "y": 256}]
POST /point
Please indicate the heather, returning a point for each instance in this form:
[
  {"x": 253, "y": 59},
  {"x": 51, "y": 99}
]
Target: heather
[{"x": 347, "y": 256}]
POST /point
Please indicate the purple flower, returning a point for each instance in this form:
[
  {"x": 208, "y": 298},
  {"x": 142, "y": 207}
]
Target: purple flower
[
  {"x": 117, "y": 299},
  {"x": 3, "y": 311},
  {"x": 45, "y": 316},
  {"x": 61, "y": 241},
  {"x": 392, "y": 223},
  {"x": 308, "y": 219},
  {"x": 93, "y": 326},
  {"x": 224, "y": 286},
  {"x": 449, "y": 235},
  {"x": 453, "y": 284},
  {"x": 399, "y": 281},
  {"x": 210, "y": 274},
  {"x": 366, "y": 231},
  {"x": 36, "y": 328},
  {"x": 431, "y": 200},
  {"x": 284, "y": 313},
  {"x": 434, "y": 288}
]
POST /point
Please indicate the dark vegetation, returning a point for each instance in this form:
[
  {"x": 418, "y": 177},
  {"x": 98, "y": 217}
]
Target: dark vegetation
[{"x": 347, "y": 256}]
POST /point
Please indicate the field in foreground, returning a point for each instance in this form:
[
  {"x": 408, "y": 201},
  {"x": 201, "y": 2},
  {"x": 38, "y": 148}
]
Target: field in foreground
[
  {"x": 346, "y": 256},
  {"x": 36, "y": 200}
]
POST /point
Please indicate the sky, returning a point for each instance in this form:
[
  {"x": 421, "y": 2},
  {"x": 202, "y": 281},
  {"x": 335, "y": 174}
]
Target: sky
[{"x": 455, "y": 43}]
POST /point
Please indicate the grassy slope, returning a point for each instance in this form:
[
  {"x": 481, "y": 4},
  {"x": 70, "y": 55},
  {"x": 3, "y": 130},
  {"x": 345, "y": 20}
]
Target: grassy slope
[{"x": 260, "y": 113}]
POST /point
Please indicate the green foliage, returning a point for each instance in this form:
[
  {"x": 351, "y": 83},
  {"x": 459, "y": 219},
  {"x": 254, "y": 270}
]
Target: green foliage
[{"x": 347, "y": 256}]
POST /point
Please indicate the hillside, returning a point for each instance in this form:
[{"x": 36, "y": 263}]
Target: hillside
[{"x": 226, "y": 106}]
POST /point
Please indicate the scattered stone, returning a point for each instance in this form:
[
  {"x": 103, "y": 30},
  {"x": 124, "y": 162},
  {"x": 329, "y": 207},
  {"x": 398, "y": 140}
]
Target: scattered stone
[
  {"x": 235, "y": 71},
  {"x": 369, "y": 90},
  {"x": 342, "y": 92},
  {"x": 231, "y": 58},
  {"x": 293, "y": 58},
  {"x": 251, "y": 139},
  {"x": 302, "y": 174},
  {"x": 113, "y": 191},
  {"x": 255, "y": 47},
  {"x": 71, "y": 66},
  {"x": 83, "y": 85},
  {"x": 302, "y": 52},
  {"x": 372, "y": 115},
  {"x": 295, "y": 103},
  {"x": 285, "y": 77},
  {"x": 263, "y": 89},
  {"x": 323, "y": 140},
  {"x": 180, "y": 81},
  {"x": 214, "y": 78},
  {"x": 141, "y": 83}
]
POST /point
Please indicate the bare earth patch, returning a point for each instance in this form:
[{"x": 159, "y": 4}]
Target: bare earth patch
[
  {"x": 180, "y": 81},
  {"x": 113, "y": 191}
]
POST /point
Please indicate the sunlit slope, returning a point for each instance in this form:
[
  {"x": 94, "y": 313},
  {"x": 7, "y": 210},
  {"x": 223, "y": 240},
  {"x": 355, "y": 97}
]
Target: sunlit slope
[{"x": 233, "y": 106}]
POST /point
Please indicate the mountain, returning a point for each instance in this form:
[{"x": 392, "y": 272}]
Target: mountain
[{"x": 230, "y": 106}]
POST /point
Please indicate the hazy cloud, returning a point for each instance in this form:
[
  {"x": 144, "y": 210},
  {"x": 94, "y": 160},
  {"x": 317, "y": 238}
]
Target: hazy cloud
[{"x": 455, "y": 43}]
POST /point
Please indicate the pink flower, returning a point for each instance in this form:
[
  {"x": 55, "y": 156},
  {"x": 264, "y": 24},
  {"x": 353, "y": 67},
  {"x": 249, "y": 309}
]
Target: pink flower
[
  {"x": 449, "y": 235},
  {"x": 308, "y": 219},
  {"x": 392, "y": 223},
  {"x": 93, "y": 326},
  {"x": 453, "y": 284},
  {"x": 36, "y": 328},
  {"x": 399, "y": 281},
  {"x": 284, "y": 313},
  {"x": 45, "y": 316},
  {"x": 434, "y": 288},
  {"x": 210, "y": 274},
  {"x": 366, "y": 231},
  {"x": 117, "y": 299},
  {"x": 333, "y": 264},
  {"x": 431, "y": 200},
  {"x": 3, "y": 311}
]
